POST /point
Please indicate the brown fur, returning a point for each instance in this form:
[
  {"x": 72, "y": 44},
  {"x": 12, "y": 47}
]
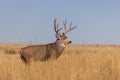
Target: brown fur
[
  {"x": 41, "y": 52},
  {"x": 48, "y": 51}
]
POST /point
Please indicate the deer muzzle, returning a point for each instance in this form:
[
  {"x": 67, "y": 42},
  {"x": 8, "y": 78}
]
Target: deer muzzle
[{"x": 70, "y": 42}]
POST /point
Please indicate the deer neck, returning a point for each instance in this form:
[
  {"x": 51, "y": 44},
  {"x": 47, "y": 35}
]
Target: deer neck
[{"x": 59, "y": 46}]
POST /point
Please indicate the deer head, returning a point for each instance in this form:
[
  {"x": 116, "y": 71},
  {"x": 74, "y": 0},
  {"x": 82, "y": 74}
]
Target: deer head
[{"x": 62, "y": 38}]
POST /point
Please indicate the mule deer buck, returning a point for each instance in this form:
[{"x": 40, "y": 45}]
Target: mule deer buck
[{"x": 48, "y": 51}]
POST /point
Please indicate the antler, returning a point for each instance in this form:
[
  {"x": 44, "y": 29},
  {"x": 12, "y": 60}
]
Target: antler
[
  {"x": 56, "y": 26},
  {"x": 70, "y": 28}
]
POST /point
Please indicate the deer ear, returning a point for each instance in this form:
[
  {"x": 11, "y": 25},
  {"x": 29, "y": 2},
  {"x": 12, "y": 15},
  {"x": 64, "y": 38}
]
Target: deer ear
[{"x": 57, "y": 36}]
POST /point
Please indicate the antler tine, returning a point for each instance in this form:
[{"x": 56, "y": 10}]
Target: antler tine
[
  {"x": 56, "y": 26},
  {"x": 64, "y": 23},
  {"x": 70, "y": 25},
  {"x": 70, "y": 28},
  {"x": 73, "y": 28}
]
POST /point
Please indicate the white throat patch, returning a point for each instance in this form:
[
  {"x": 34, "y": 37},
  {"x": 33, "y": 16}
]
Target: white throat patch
[{"x": 63, "y": 45}]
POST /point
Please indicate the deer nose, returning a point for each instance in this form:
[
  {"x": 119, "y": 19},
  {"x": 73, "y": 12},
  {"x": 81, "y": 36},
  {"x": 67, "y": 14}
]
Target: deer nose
[{"x": 70, "y": 41}]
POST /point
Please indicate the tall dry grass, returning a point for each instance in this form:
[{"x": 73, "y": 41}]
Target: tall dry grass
[{"x": 76, "y": 63}]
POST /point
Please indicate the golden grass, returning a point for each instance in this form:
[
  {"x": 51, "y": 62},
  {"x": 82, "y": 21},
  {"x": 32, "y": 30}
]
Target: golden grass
[{"x": 76, "y": 63}]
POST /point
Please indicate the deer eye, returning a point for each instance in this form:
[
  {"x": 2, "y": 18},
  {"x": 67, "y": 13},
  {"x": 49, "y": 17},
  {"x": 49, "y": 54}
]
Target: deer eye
[{"x": 60, "y": 35}]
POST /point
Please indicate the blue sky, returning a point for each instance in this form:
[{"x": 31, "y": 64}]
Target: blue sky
[{"x": 31, "y": 21}]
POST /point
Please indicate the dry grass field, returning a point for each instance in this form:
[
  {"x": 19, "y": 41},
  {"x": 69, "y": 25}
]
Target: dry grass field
[{"x": 83, "y": 62}]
